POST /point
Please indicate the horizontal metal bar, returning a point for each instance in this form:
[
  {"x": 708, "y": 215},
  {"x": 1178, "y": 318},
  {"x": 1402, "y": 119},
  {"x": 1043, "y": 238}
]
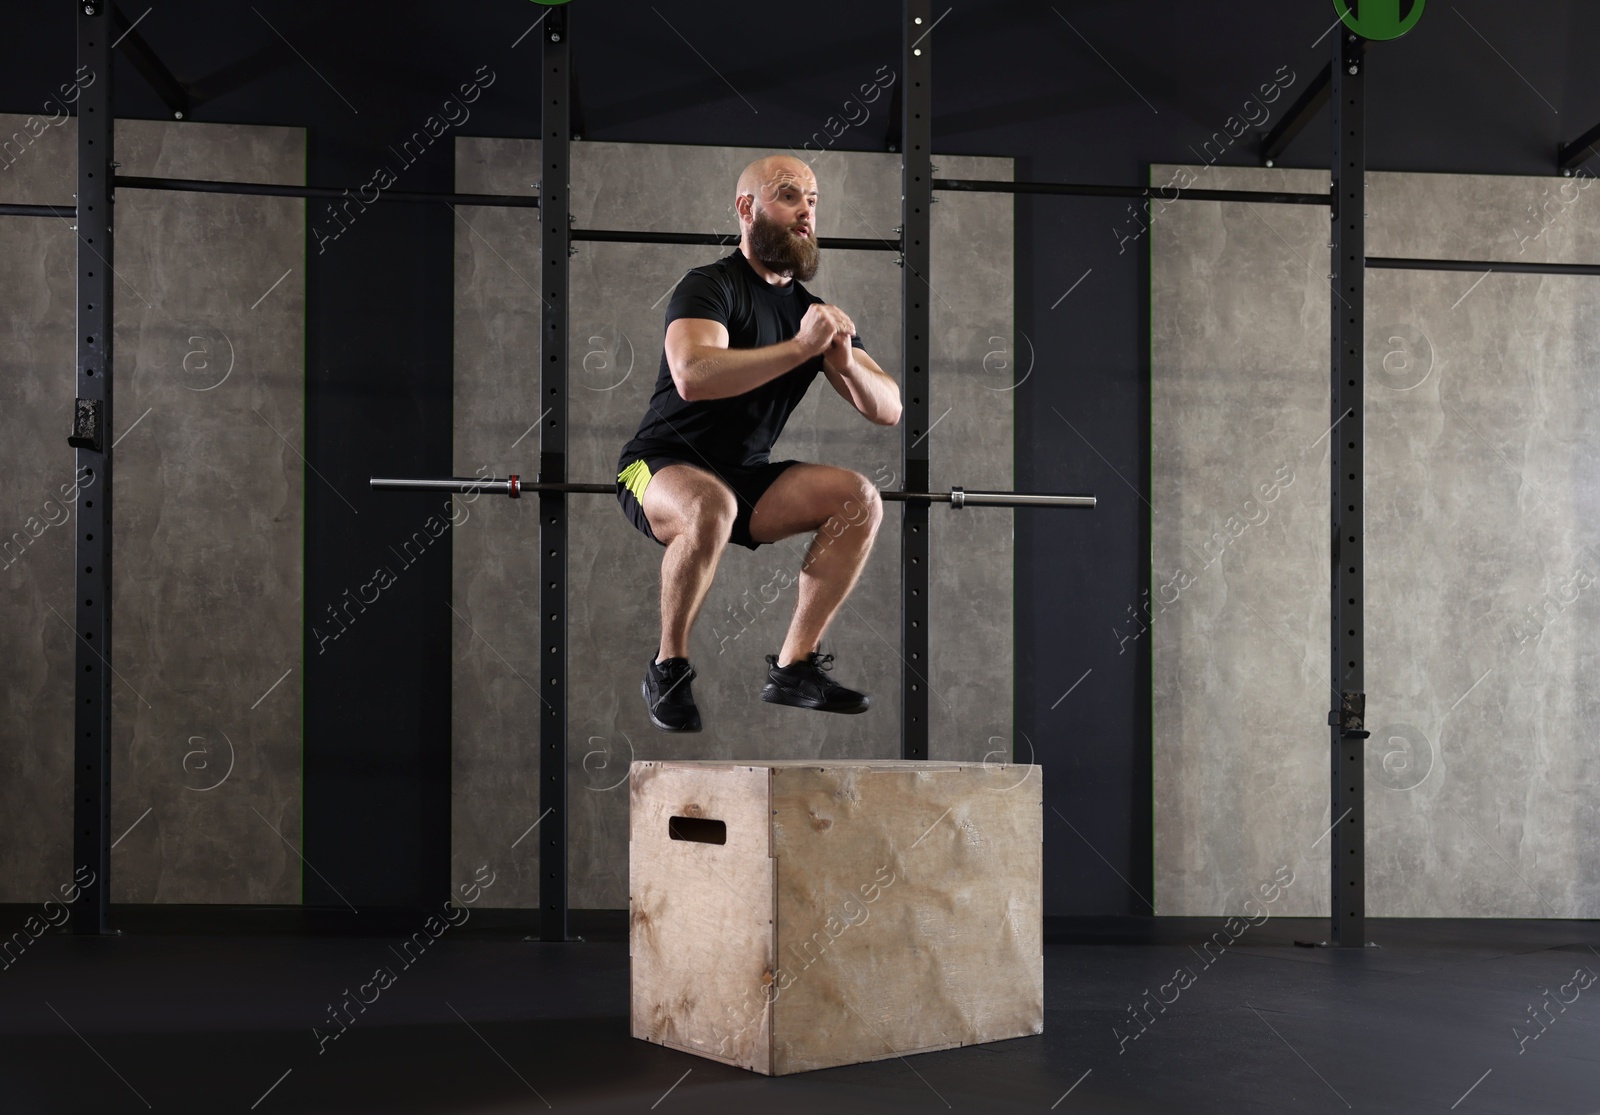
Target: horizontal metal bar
[
  {"x": 1394, "y": 263},
  {"x": 496, "y": 485},
  {"x": 1174, "y": 193},
  {"x": 264, "y": 189},
  {"x": 9, "y": 210},
  {"x": 513, "y": 201},
  {"x": 726, "y": 240},
  {"x": 1570, "y": 156}
]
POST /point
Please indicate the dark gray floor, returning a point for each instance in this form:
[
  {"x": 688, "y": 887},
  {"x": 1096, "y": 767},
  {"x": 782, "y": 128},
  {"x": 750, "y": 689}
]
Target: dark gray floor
[{"x": 486, "y": 1022}]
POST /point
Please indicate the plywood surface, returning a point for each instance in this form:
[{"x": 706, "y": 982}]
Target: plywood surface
[
  {"x": 700, "y": 915},
  {"x": 908, "y": 909}
]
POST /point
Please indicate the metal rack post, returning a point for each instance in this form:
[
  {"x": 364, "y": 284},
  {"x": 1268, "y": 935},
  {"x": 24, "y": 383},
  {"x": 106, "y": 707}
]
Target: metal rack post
[
  {"x": 916, "y": 203},
  {"x": 1346, "y": 471},
  {"x": 555, "y": 145},
  {"x": 91, "y": 438}
]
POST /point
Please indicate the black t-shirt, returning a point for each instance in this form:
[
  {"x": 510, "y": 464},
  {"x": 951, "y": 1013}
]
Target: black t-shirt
[{"x": 738, "y": 430}]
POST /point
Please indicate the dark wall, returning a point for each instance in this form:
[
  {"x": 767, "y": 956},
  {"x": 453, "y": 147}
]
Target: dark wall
[{"x": 1076, "y": 91}]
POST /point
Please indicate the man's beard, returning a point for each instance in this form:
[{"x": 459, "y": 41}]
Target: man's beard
[{"x": 782, "y": 251}]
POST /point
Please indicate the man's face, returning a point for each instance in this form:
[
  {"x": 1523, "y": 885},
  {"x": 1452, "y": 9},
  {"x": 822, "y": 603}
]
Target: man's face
[{"x": 783, "y": 233}]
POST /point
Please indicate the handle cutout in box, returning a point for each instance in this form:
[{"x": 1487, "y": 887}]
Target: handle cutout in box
[{"x": 701, "y": 830}]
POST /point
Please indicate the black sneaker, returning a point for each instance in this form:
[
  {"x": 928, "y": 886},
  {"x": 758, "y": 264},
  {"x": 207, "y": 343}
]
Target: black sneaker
[
  {"x": 667, "y": 696},
  {"x": 804, "y": 685}
]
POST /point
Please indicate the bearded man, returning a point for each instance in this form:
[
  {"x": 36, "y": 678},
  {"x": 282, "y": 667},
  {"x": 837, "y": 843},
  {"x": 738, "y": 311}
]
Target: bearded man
[{"x": 744, "y": 341}]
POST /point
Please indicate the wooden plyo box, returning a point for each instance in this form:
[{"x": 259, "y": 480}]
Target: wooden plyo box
[{"x": 791, "y": 915}]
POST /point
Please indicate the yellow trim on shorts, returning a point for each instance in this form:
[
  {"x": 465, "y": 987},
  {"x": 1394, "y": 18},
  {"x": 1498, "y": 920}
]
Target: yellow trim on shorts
[{"x": 635, "y": 478}]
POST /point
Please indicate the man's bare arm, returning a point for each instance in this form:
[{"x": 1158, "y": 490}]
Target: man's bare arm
[
  {"x": 704, "y": 367},
  {"x": 862, "y": 384}
]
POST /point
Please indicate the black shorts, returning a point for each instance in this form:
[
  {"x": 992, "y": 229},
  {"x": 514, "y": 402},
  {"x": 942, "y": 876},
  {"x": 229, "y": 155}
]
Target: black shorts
[{"x": 748, "y": 483}]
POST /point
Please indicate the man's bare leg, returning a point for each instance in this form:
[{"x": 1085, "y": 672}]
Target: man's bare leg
[
  {"x": 691, "y": 511},
  {"x": 844, "y": 509}
]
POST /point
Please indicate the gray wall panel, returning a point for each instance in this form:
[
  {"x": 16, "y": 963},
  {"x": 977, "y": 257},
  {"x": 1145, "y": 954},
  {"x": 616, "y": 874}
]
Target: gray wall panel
[
  {"x": 207, "y": 546},
  {"x": 209, "y": 530},
  {"x": 1239, "y": 358},
  {"x": 619, "y": 295},
  {"x": 1483, "y": 620},
  {"x": 1482, "y": 423},
  {"x": 36, "y": 478},
  {"x": 495, "y": 702},
  {"x": 974, "y": 349}
]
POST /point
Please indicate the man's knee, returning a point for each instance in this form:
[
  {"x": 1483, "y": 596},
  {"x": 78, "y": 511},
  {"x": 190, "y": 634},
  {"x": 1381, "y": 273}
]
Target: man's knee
[
  {"x": 863, "y": 506},
  {"x": 708, "y": 513}
]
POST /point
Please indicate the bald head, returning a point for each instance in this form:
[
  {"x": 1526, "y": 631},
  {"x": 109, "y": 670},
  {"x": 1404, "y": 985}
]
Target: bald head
[{"x": 763, "y": 178}]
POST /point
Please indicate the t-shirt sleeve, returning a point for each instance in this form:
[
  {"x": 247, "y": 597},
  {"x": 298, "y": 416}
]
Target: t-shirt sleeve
[{"x": 699, "y": 295}]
